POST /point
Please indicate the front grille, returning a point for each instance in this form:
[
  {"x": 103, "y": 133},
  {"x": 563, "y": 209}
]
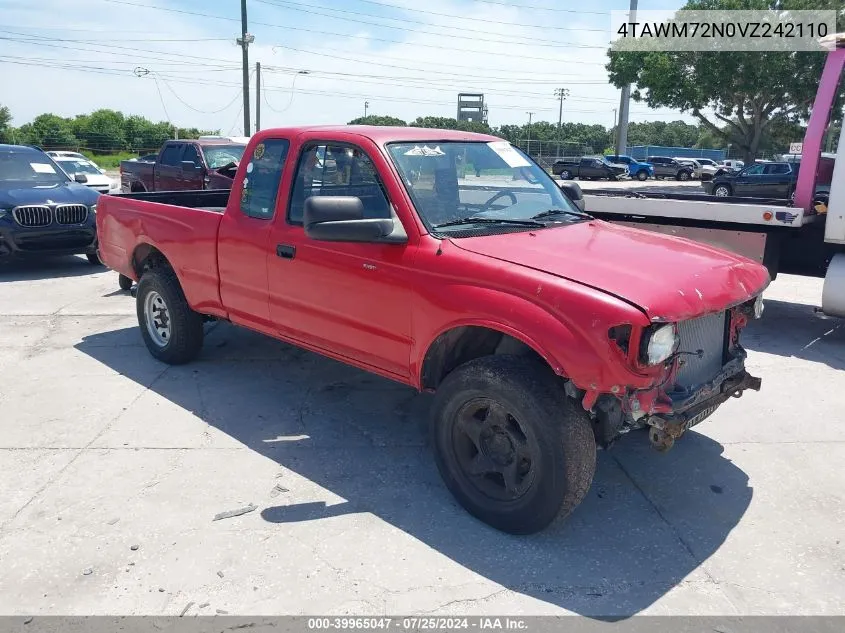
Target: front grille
[
  {"x": 71, "y": 214},
  {"x": 32, "y": 216},
  {"x": 707, "y": 334}
]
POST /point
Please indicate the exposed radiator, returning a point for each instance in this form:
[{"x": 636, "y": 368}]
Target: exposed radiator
[{"x": 707, "y": 334}]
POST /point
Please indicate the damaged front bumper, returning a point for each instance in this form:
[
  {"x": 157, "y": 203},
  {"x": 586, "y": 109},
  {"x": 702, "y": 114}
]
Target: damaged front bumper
[
  {"x": 730, "y": 383},
  {"x": 668, "y": 415}
]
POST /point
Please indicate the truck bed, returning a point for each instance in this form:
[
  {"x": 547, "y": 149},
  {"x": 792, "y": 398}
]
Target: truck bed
[{"x": 182, "y": 225}]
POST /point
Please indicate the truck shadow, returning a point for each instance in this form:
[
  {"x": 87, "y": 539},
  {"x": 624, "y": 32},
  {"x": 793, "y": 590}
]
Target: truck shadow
[
  {"x": 795, "y": 330},
  {"x": 47, "y": 268},
  {"x": 648, "y": 524}
]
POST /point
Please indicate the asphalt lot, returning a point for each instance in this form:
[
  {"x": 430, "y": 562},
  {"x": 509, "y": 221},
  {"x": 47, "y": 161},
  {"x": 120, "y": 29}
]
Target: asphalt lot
[{"x": 114, "y": 467}]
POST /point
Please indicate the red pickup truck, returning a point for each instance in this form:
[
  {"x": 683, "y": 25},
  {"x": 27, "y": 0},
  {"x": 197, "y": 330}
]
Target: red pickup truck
[
  {"x": 450, "y": 262},
  {"x": 184, "y": 165}
]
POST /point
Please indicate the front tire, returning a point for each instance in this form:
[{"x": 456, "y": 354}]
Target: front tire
[
  {"x": 94, "y": 259},
  {"x": 641, "y": 175},
  {"x": 510, "y": 446},
  {"x": 683, "y": 176},
  {"x": 172, "y": 331}
]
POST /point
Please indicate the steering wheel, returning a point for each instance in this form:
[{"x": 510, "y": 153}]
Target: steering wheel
[{"x": 501, "y": 194}]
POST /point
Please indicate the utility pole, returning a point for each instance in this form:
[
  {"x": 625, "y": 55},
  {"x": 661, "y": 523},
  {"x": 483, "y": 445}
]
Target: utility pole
[
  {"x": 366, "y": 106},
  {"x": 528, "y": 142},
  {"x": 624, "y": 101},
  {"x": 244, "y": 41},
  {"x": 561, "y": 93},
  {"x": 257, "y": 96},
  {"x": 614, "y": 128}
]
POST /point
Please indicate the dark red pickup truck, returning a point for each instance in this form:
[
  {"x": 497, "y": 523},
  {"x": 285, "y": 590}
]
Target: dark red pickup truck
[
  {"x": 184, "y": 165},
  {"x": 450, "y": 262}
]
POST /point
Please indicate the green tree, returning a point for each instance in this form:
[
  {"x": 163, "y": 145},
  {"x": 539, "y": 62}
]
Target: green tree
[
  {"x": 374, "y": 119},
  {"x": 48, "y": 130},
  {"x": 102, "y": 129},
  {"x": 748, "y": 92},
  {"x": 6, "y": 129}
]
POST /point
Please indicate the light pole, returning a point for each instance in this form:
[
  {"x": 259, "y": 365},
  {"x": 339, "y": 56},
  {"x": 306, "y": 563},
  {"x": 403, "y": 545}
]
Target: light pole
[
  {"x": 625, "y": 99},
  {"x": 561, "y": 93},
  {"x": 366, "y": 106},
  {"x": 614, "y": 129},
  {"x": 528, "y": 148}
]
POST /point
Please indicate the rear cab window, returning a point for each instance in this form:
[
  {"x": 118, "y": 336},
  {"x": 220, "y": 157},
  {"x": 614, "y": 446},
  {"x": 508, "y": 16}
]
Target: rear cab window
[{"x": 262, "y": 177}]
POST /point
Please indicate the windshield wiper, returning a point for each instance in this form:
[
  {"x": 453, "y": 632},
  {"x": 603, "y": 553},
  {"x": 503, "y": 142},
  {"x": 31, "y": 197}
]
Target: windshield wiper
[
  {"x": 551, "y": 212},
  {"x": 474, "y": 220}
]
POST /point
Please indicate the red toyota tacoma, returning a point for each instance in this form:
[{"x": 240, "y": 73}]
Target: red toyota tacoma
[{"x": 450, "y": 262}]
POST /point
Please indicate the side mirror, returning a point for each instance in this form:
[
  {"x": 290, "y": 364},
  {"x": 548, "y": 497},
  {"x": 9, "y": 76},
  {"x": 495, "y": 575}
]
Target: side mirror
[
  {"x": 189, "y": 165},
  {"x": 341, "y": 219},
  {"x": 572, "y": 191},
  {"x": 80, "y": 178}
]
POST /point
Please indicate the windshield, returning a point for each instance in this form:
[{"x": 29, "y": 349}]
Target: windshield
[
  {"x": 706, "y": 161},
  {"x": 217, "y": 156},
  {"x": 78, "y": 167},
  {"x": 29, "y": 168},
  {"x": 454, "y": 180}
]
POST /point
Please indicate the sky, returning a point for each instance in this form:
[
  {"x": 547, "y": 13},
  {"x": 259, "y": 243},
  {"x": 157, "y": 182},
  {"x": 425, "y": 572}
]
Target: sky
[{"x": 177, "y": 60}]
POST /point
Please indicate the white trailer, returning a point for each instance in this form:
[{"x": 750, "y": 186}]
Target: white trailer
[{"x": 803, "y": 236}]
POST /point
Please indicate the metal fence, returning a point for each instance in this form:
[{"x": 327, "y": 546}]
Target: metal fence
[{"x": 547, "y": 152}]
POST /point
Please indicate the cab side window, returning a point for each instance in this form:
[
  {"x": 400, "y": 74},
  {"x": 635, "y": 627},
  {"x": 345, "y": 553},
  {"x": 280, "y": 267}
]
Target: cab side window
[
  {"x": 172, "y": 155},
  {"x": 191, "y": 155},
  {"x": 260, "y": 187},
  {"x": 337, "y": 170}
]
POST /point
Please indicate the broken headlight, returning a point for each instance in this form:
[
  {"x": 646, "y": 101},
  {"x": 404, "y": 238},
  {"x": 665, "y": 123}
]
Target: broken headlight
[{"x": 659, "y": 342}]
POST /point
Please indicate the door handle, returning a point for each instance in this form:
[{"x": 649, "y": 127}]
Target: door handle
[{"x": 285, "y": 251}]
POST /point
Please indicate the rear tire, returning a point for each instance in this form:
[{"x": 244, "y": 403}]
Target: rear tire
[
  {"x": 172, "y": 331},
  {"x": 124, "y": 282},
  {"x": 722, "y": 191},
  {"x": 510, "y": 446},
  {"x": 566, "y": 175}
]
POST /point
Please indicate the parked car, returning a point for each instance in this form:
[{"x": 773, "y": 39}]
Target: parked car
[
  {"x": 68, "y": 154},
  {"x": 43, "y": 211},
  {"x": 760, "y": 180},
  {"x": 665, "y": 167},
  {"x": 702, "y": 168},
  {"x": 184, "y": 165},
  {"x": 636, "y": 169},
  {"x": 541, "y": 331},
  {"x": 588, "y": 168},
  {"x": 730, "y": 165},
  {"x": 96, "y": 178}
]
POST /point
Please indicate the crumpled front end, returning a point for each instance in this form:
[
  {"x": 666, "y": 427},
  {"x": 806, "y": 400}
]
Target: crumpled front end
[{"x": 706, "y": 370}]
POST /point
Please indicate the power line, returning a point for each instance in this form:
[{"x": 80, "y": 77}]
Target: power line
[
  {"x": 474, "y": 19},
  {"x": 511, "y": 5},
  {"x": 440, "y": 72},
  {"x": 190, "y": 107},
  {"x": 319, "y": 32},
  {"x": 534, "y": 42}
]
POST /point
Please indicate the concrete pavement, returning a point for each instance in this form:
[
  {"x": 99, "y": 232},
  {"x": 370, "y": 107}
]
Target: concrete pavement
[{"x": 114, "y": 467}]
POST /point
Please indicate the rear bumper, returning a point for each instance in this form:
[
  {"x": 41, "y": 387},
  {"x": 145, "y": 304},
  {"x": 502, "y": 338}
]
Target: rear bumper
[{"x": 49, "y": 241}]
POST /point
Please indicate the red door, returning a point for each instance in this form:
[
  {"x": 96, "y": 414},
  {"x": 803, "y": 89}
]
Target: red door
[
  {"x": 349, "y": 299},
  {"x": 243, "y": 239}
]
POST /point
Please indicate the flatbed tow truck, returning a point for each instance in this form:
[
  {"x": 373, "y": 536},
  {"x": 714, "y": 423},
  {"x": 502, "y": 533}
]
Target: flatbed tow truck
[{"x": 805, "y": 235}]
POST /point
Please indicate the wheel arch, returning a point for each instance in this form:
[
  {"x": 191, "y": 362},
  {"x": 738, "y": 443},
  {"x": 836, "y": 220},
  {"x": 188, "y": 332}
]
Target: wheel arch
[
  {"x": 460, "y": 343},
  {"x": 145, "y": 256}
]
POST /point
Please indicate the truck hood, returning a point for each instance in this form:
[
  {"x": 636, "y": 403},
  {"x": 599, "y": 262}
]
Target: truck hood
[
  {"x": 59, "y": 193},
  {"x": 669, "y": 278}
]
